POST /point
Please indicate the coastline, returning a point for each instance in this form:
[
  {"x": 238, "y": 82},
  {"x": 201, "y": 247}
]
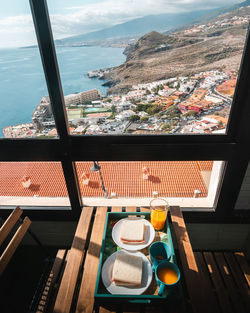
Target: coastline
[{"x": 23, "y": 68}]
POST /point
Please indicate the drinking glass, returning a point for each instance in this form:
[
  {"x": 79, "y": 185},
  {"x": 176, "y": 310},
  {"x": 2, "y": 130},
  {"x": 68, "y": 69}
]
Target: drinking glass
[{"x": 158, "y": 213}]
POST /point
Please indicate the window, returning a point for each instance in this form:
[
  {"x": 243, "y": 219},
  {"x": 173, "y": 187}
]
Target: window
[
  {"x": 243, "y": 200},
  {"x": 70, "y": 151},
  {"x": 25, "y": 110},
  {"x": 149, "y": 76}
]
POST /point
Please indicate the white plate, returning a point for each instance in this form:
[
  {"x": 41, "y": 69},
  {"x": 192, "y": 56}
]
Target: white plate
[
  {"x": 149, "y": 235},
  {"x": 107, "y": 269}
]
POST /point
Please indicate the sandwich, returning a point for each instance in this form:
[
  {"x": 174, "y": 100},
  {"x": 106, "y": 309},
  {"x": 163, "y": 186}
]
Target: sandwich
[
  {"x": 132, "y": 231},
  {"x": 127, "y": 270}
]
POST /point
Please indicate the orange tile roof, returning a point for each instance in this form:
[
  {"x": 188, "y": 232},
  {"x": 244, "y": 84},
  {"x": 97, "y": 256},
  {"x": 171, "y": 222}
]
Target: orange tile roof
[
  {"x": 169, "y": 178},
  {"x": 227, "y": 87},
  {"x": 205, "y": 165},
  {"x": 224, "y": 120},
  {"x": 47, "y": 179}
]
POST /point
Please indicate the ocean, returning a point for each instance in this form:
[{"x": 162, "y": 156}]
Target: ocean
[{"x": 22, "y": 81}]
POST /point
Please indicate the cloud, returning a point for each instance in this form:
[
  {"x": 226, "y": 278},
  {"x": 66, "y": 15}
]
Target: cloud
[
  {"x": 94, "y": 16},
  {"x": 16, "y": 31}
]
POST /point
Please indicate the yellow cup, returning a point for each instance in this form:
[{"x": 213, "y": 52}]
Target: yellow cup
[{"x": 158, "y": 213}]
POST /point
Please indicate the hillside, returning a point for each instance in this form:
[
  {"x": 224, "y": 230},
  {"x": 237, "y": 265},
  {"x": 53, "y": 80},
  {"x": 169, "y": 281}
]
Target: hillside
[
  {"x": 155, "y": 42},
  {"x": 217, "y": 44},
  {"x": 133, "y": 29}
]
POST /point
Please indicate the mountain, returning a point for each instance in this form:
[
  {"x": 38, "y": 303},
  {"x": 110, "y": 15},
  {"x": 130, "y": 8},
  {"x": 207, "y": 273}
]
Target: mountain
[
  {"x": 217, "y": 12},
  {"x": 240, "y": 5},
  {"x": 216, "y": 44},
  {"x": 154, "y": 42},
  {"x": 135, "y": 28}
]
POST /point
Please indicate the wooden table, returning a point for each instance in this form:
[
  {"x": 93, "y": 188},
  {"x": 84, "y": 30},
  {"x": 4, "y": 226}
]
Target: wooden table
[
  {"x": 76, "y": 291},
  {"x": 77, "y": 285}
]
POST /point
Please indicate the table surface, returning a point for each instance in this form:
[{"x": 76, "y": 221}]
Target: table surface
[{"x": 77, "y": 287}]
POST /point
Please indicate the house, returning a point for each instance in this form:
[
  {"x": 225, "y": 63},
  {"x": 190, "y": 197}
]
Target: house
[{"x": 124, "y": 115}]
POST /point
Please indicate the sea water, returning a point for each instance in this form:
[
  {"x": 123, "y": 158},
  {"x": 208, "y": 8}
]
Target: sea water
[{"x": 22, "y": 80}]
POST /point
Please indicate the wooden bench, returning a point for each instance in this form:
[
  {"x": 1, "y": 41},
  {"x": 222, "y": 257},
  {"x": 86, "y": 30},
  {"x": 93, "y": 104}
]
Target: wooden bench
[
  {"x": 65, "y": 269},
  {"x": 215, "y": 281},
  {"x": 226, "y": 280},
  {"x": 206, "y": 288},
  {"x": 8, "y": 230}
]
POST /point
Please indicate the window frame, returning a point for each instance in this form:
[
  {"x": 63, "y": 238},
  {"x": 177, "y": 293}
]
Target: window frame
[{"x": 231, "y": 147}]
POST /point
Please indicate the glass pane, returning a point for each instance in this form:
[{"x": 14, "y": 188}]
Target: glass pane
[
  {"x": 33, "y": 184},
  {"x": 25, "y": 110},
  {"x": 185, "y": 183},
  {"x": 243, "y": 201},
  {"x": 133, "y": 67}
]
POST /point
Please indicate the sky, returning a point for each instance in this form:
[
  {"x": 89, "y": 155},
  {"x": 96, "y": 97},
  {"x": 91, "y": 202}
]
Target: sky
[{"x": 74, "y": 17}]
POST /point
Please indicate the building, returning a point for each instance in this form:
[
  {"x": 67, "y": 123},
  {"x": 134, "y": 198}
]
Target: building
[
  {"x": 82, "y": 97},
  {"x": 124, "y": 115},
  {"x": 42, "y": 113},
  {"x": 135, "y": 95},
  {"x": 195, "y": 107}
]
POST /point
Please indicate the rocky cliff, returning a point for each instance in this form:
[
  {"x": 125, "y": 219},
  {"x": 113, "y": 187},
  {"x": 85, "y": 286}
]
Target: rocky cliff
[{"x": 217, "y": 44}]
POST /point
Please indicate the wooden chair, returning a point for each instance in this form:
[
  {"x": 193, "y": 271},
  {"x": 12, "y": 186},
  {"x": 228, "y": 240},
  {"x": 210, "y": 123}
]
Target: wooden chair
[{"x": 8, "y": 230}]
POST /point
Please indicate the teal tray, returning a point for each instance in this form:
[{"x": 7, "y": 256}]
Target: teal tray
[{"x": 108, "y": 247}]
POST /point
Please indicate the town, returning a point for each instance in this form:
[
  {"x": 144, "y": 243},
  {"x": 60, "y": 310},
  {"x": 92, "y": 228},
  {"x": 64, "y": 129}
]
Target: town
[
  {"x": 196, "y": 104},
  {"x": 222, "y": 23}
]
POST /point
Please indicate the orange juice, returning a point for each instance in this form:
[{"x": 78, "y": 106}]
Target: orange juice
[
  {"x": 167, "y": 275},
  {"x": 158, "y": 219}
]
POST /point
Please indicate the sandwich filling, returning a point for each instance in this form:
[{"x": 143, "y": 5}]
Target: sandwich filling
[
  {"x": 127, "y": 270},
  {"x": 132, "y": 231}
]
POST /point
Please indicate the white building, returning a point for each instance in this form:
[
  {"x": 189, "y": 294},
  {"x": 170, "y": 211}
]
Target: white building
[
  {"x": 213, "y": 99},
  {"x": 143, "y": 114},
  {"x": 124, "y": 115},
  {"x": 81, "y": 97}
]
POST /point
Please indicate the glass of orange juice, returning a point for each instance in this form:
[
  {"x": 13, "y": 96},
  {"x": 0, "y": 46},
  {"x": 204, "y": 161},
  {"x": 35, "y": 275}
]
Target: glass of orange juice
[{"x": 158, "y": 215}]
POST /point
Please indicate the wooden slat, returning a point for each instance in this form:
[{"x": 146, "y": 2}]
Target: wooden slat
[
  {"x": 189, "y": 265},
  {"x": 131, "y": 209},
  {"x": 116, "y": 209},
  {"x": 230, "y": 285},
  {"x": 74, "y": 262},
  {"x": 176, "y": 306},
  {"x": 105, "y": 310},
  {"x": 13, "y": 244},
  {"x": 9, "y": 224},
  {"x": 244, "y": 266},
  {"x": 179, "y": 304},
  {"x": 207, "y": 287},
  {"x": 86, "y": 295},
  {"x": 145, "y": 209},
  {"x": 51, "y": 281},
  {"x": 239, "y": 279},
  {"x": 222, "y": 295}
]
